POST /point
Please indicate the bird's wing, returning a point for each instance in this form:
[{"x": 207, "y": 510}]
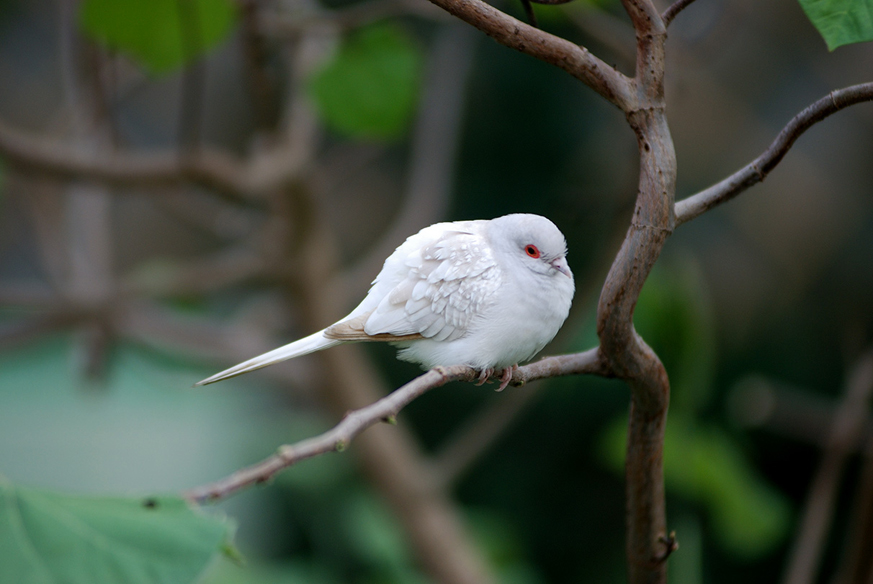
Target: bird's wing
[{"x": 431, "y": 287}]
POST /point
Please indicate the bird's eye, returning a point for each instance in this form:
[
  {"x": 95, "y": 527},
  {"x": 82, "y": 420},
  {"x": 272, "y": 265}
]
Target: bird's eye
[{"x": 532, "y": 250}]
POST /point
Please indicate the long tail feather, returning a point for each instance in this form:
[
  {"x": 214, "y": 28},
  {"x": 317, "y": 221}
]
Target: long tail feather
[{"x": 304, "y": 346}]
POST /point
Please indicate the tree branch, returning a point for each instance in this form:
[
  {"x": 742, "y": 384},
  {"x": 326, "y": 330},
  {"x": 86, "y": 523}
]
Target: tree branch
[
  {"x": 673, "y": 10},
  {"x": 239, "y": 180},
  {"x": 627, "y": 355},
  {"x": 574, "y": 59},
  {"x": 757, "y": 170},
  {"x": 386, "y": 409},
  {"x": 848, "y": 425}
]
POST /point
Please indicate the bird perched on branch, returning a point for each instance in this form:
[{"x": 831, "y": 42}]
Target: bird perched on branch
[{"x": 489, "y": 294}]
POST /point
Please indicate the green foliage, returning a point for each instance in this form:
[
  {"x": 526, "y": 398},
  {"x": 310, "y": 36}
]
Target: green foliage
[
  {"x": 161, "y": 35},
  {"x": 841, "y": 22},
  {"x": 673, "y": 315},
  {"x": 502, "y": 545},
  {"x": 705, "y": 466},
  {"x": 56, "y": 538},
  {"x": 701, "y": 462},
  {"x": 370, "y": 87},
  {"x": 259, "y": 572}
]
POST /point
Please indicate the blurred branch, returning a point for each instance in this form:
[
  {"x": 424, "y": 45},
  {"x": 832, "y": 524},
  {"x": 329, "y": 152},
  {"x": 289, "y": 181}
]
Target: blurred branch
[
  {"x": 673, "y": 10},
  {"x": 576, "y": 60},
  {"x": 845, "y": 432},
  {"x": 857, "y": 566},
  {"x": 29, "y": 329},
  {"x": 281, "y": 24},
  {"x": 793, "y": 413},
  {"x": 757, "y": 170},
  {"x": 240, "y": 180},
  {"x": 193, "y": 76},
  {"x": 385, "y": 410},
  {"x": 478, "y": 434},
  {"x": 262, "y": 86},
  {"x": 435, "y": 145},
  {"x": 199, "y": 276}
]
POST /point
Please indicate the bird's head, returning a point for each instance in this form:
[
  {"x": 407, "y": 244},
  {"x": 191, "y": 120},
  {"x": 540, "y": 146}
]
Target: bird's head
[{"x": 533, "y": 242}]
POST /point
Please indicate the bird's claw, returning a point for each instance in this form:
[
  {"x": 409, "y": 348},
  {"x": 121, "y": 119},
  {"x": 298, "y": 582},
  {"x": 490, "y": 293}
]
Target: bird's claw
[
  {"x": 484, "y": 376},
  {"x": 505, "y": 376}
]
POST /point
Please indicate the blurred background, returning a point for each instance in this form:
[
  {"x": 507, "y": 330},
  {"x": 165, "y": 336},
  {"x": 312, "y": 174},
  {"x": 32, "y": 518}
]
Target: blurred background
[{"x": 185, "y": 184}]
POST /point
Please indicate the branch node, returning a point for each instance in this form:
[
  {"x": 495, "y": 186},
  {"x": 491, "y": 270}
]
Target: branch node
[
  {"x": 670, "y": 546},
  {"x": 340, "y": 445},
  {"x": 761, "y": 174},
  {"x": 392, "y": 420}
]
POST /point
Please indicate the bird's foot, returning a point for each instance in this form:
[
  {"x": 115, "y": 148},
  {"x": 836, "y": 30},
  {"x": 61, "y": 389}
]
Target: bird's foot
[
  {"x": 506, "y": 377},
  {"x": 484, "y": 375}
]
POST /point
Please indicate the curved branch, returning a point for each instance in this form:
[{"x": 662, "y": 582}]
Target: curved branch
[
  {"x": 757, "y": 170},
  {"x": 385, "y": 410},
  {"x": 239, "y": 180},
  {"x": 574, "y": 59},
  {"x": 673, "y": 10}
]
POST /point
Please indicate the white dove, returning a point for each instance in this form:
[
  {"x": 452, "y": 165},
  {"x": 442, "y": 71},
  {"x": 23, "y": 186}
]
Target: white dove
[{"x": 488, "y": 294}]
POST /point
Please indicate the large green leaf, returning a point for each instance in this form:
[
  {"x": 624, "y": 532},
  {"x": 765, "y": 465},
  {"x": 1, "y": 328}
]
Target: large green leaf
[
  {"x": 369, "y": 88},
  {"x": 159, "y": 34},
  {"x": 54, "y": 538},
  {"x": 841, "y": 22}
]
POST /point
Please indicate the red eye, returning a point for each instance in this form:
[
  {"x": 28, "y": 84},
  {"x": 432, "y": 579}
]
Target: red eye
[{"x": 532, "y": 250}]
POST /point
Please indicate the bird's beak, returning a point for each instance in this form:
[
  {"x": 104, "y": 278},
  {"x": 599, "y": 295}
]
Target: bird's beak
[{"x": 561, "y": 265}]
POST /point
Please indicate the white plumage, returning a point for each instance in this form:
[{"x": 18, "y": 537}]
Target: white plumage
[{"x": 489, "y": 294}]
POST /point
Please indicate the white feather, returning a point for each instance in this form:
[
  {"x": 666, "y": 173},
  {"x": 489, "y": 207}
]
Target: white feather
[
  {"x": 470, "y": 288},
  {"x": 304, "y": 346}
]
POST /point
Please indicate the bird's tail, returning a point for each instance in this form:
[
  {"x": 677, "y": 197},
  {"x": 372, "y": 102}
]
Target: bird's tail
[{"x": 304, "y": 346}]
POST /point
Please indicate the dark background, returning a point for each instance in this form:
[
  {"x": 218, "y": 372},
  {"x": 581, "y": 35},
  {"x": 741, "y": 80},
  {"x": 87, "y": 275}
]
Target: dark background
[{"x": 759, "y": 308}]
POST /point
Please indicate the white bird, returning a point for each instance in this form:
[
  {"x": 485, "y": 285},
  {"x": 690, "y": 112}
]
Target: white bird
[{"x": 488, "y": 294}]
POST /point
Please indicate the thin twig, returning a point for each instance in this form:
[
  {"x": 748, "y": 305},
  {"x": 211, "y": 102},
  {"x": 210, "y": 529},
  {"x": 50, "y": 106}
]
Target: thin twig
[
  {"x": 673, "y": 10},
  {"x": 757, "y": 170},
  {"x": 845, "y": 433},
  {"x": 385, "y": 409}
]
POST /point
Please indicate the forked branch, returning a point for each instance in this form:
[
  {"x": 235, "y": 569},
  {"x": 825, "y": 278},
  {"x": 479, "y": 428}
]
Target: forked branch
[{"x": 673, "y": 10}]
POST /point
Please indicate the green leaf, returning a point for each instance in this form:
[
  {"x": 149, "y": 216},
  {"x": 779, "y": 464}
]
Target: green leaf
[
  {"x": 841, "y": 22},
  {"x": 161, "y": 35},
  {"x": 55, "y": 538},
  {"x": 370, "y": 87},
  {"x": 266, "y": 572}
]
